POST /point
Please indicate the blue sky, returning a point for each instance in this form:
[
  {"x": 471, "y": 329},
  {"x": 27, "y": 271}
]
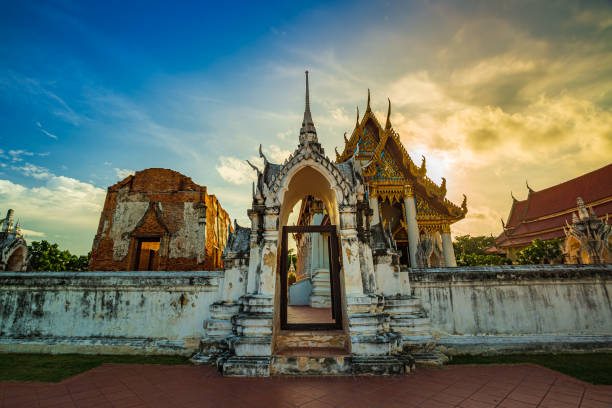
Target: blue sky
[{"x": 492, "y": 94}]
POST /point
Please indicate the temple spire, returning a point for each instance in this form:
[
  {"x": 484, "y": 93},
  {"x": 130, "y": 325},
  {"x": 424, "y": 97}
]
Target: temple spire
[
  {"x": 388, "y": 124},
  {"x": 308, "y": 132}
]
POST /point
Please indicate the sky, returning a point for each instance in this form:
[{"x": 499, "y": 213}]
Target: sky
[{"x": 494, "y": 94}]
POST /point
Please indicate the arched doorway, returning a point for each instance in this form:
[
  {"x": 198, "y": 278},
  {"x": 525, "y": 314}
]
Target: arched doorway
[
  {"x": 308, "y": 185},
  {"x": 16, "y": 261}
]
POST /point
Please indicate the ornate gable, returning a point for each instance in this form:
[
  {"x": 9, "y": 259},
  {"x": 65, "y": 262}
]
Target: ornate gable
[{"x": 390, "y": 172}]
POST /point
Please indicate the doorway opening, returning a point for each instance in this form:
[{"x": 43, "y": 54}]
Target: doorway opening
[
  {"x": 310, "y": 281},
  {"x": 147, "y": 254}
]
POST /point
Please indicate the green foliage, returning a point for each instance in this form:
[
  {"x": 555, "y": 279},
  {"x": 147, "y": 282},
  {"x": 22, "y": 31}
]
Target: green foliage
[
  {"x": 45, "y": 256},
  {"x": 595, "y": 368},
  {"x": 540, "y": 252},
  {"x": 467, "y": 244},
  {"x": 477, "y": 259},
  {"x": 55, "y": 368},
  {"x": 291, "y": 279},
  {"x": 470, "y": 251}
]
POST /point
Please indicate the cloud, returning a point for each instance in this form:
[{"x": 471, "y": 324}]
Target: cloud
[
  {"x": 51, "y": 135},
  {"x": 62, "y": 206},
  {"x": 123, "y": 173},
  {"x": 32, "y": 170},
  {"x": 275, "y": 153},
  {"x": 235, "y": 171},
  {"x": 16, "y": 154},
  {"x": 29, "y": 234},
  {"x": 285, "y": 134}
]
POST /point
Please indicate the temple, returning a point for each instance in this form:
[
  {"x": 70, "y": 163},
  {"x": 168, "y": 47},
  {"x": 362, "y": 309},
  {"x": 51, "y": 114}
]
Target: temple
[
  {"x": 13, "y": 246},
  {"x": 575, "y": 211},
  {"x": 402, "y": 197},
  {"x": 159, "y": 220}
]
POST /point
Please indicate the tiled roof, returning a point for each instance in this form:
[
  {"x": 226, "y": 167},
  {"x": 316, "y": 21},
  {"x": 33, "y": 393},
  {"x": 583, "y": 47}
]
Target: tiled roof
[{"x": 544, "y": 213}]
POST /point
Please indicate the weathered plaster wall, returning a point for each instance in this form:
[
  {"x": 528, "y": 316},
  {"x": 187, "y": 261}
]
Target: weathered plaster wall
[
  {"x": 105, "y": 312},
  {"x": 164, "y": 204},
  {"x": 503, "y": 307}
]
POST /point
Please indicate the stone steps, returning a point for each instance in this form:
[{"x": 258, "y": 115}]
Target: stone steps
[
  {"x": 430, "y": 359},
  {"x": 286, "y": 339},
  {"x": 313, "y": 352},
  {"x": 311, "y": 365}
]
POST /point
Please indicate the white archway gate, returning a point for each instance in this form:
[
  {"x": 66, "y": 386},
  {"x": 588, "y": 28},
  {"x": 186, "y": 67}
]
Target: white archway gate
[{"x": 245, "y": 323}]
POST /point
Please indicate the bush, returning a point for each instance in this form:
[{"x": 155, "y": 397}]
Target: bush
[
  {"x": 476, "y": 259},
  {"x": 541, "y": 252},
  {"x": 44, "y": 256}
]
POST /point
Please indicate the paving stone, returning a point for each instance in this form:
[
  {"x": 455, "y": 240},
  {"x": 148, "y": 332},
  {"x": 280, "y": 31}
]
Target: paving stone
[{"x": 522, "y": 386}]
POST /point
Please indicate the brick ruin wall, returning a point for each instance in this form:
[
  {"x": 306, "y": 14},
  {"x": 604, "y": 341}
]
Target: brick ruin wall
[{"x": 160, "y": 203}]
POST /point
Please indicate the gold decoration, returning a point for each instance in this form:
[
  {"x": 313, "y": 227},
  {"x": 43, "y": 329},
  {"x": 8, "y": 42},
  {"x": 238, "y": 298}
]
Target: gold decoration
[{"x": 395, "y": 178}]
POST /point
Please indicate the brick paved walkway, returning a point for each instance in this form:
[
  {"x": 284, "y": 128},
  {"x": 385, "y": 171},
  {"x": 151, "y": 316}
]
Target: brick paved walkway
[{"x": 188, "y": 386}]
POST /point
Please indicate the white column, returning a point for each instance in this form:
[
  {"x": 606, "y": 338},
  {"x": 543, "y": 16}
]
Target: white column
[
  {"x": 447, "y": 249},
  {"x": 374, "y": 207},
  {"x": 413, "y": 228}
]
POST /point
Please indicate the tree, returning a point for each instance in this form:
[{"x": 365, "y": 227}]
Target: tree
[
  {"x": 477, "y": 259},
  {"x": 45, "y": 256},
  {"x": 540, "y": 252},
  {"x": 470, "y": 251},
  {"x": 467, "y": 244}
]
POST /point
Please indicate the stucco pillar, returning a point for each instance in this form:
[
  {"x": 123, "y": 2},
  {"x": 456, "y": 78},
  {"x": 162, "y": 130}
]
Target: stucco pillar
[
  {"x": 447, "y": 248},
  {"x": 349, "y": 251},
  {"x": 413, "y": 227},
  {"x": 374, "y": 207}
]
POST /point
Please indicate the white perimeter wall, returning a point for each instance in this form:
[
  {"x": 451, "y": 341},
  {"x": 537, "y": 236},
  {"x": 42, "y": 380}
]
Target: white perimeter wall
[
  {"x": 517, "y": 306},
  {"x": 105, "y": 312}
]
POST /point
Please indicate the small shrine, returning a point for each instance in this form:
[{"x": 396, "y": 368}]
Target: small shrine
[
  {"x": 355, "y": 216},
  {"x": 13, "y": 246}
]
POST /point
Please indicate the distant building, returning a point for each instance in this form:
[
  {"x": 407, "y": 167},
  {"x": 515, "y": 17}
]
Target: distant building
[
  {"x": 575, "y": 211},
  {"x": 159, "y": 219},
  {"x": 13, "y": 246}
]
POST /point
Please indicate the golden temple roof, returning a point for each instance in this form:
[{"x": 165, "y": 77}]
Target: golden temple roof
[{"x": 390, "y": 171}]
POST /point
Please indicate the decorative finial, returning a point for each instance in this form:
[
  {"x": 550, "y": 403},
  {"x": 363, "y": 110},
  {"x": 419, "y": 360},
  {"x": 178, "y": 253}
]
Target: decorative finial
[
  {"x": 388, "y": 124},
  {"x": 503, "y": 223},
  {"x": 529, "y": 188},
  {"x": 464, "y": 204},
  {"x": 307, "y": 93},
  {"x": 263, "y": 156},
  {"x": 308, "y": 133},
  {"x": 368, "y": 107},
  {"x": 357, "y": 122},
  {"x": 423, "y": 168},
  {"x": 513, "y": 197},
  {"x": 337, "y": 154},
  {"x": 254, "y": 167},
  {"x": 345, "y": 139}
]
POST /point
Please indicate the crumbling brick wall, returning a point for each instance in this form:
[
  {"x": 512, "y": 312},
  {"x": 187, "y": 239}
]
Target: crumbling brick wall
[{"x": 160, "y": 205}]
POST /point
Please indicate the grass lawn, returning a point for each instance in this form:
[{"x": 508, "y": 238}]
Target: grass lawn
[
  {"x": 57, "y": 367},
  {"x": 594, "y": 368}
]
